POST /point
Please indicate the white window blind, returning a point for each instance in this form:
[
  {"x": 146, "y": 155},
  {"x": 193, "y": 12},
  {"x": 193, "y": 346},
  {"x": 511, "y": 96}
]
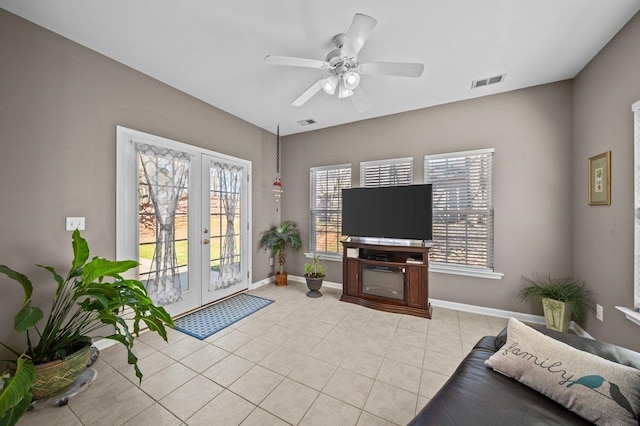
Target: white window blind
[
  {"x": 462, "y": 208},
  {"x": 326, "y": 185},
  {"x": 394, "y": 172}
]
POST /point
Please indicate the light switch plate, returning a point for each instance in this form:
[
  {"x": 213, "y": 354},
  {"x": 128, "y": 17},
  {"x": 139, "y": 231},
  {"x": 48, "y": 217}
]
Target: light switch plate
[
  {"x": 74, "y": 223},
  {"x": 599, "y": 312}
]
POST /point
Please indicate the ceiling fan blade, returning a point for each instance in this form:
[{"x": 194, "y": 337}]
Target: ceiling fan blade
[
  {"x": 296, "y": 62},
  {"x": 308, "y": 94},
  {"x": 359, "y": 31},
  {"x": 359, "y": 100},
  {"x": 402, "y": 69}
]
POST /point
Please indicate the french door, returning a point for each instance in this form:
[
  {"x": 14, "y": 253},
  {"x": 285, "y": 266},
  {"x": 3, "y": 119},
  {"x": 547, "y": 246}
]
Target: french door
[
  {"x": 223, "y": 239},
  {"x": 183, "y": 213}
]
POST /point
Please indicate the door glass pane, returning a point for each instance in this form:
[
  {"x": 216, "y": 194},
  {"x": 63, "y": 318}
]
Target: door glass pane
[
  {"x": 163, "y": 207},
  {"x": 225, "y": 186}
]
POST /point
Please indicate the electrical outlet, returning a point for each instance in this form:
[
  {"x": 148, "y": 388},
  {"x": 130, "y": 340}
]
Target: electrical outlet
[
  {"x": 271, "y": 261},
  {"x": 599, "y": 312},
  {"x": 74, "y": 223}
]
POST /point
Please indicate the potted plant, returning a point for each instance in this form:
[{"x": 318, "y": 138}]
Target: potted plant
[
  {"x": 561, "y": 298},
  {"x": 314, "y": 273},
  {"x": 276, "y": 239},
  {"x": 92, "y": 295}
]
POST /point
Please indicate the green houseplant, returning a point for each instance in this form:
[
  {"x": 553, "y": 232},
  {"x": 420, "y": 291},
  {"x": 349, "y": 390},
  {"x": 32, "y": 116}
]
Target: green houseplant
[
  {"x": 314, "y": 273},
  {"x": 276, "y": 239},
  {"x": 92, "y": 295},
  {"x": 561, "y": 298}
]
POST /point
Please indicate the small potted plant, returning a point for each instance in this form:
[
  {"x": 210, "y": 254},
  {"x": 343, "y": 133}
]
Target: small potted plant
[
  {"x": 276, "y": 239},
  {"x": 561, "y": 298},
  {"x": 314, "y": 273},
  {"x": 92, "y": 295}
]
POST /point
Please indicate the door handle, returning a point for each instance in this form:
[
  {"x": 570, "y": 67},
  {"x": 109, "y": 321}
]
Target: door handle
[
  {"x": 205, "y": 241},
  {"x": 206, "y": 231}
]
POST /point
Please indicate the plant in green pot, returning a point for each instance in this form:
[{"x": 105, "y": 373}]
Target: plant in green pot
[
  {"x": 314, "y": 273},
  {"x": 276, "y": 239},
  {"x": 91, "y": 296},
  {"x": 562, "y": 299}
]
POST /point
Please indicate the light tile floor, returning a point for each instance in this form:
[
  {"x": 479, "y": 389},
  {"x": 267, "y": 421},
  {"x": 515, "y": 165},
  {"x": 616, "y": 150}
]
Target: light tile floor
[{"x": 299, "y": 361}]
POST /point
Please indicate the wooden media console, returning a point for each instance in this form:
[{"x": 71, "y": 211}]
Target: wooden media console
[{"x": 391, "y": 278}]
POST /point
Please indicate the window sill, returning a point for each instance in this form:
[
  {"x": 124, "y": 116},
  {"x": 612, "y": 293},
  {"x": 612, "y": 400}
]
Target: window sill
[
  {"x": 325, "y": 256},
  {"x": 631, "y": 315},
  {"x": 465, "y": 271}
]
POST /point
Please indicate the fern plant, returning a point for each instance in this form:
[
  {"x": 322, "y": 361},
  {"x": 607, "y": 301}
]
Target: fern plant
[{"x": 569, "y": 290}]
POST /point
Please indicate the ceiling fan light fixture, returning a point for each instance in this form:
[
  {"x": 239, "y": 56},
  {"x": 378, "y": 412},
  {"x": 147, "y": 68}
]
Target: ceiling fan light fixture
[
  {"x": 329, "y": 84},
  {"x": 351, "y": 80},
  {"x": 343, "y": 91}
]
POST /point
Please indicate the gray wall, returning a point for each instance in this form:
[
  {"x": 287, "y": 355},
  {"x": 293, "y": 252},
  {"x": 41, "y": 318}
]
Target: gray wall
[
  {"x": 59, "y": 107},
  {"x": 532, "y": 135},
  {"x": 603, "y": 235}
]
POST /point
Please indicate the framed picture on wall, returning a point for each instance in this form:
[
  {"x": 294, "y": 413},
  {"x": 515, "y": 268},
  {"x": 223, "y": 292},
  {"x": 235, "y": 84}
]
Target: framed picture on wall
[{"x": 600, "y": 179}]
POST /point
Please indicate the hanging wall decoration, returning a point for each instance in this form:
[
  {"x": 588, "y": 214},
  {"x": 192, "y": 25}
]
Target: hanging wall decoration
[
  {"x": 277, "y": 183},
  {"x": 600, "y": 179}
]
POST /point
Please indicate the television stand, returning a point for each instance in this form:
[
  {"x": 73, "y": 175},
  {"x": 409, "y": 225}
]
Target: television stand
[{"x": 390, "y": 278}]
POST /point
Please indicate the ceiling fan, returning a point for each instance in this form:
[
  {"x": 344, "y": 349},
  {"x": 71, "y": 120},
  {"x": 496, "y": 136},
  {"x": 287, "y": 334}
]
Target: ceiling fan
[{"x": 344, "y": 68}]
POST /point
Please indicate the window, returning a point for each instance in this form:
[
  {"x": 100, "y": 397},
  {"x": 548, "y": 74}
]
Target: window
[
  {"x": 462, "y": 212},
  {"x": 395, "y": 172},
  {"x": 163, "y": 211},
  {"x": 636, "y": 180},
  {"x": 634, "y": 314},
  {"x": 327, "y": 184}
]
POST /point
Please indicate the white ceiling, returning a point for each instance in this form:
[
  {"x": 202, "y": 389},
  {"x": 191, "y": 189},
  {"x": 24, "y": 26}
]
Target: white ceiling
[{"x": 214, "y": 50}]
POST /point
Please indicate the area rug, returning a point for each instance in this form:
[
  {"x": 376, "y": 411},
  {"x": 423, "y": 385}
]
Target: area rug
[{"x": 213, "y": 318}]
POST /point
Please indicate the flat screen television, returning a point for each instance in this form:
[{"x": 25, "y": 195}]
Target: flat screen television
[{"x": 402, "y": 212}]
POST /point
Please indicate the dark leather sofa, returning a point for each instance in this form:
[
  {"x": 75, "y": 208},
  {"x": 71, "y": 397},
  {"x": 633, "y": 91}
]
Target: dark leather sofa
[{"x": 477, "y": 395}]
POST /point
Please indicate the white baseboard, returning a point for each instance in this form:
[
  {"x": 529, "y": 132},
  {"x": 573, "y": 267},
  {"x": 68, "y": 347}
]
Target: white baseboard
[
  {"x": 103, "y": 343},
  {"x": 331, "y": 284},
  {"x": 580, "y": 331},
  {"x": 534, "y": 319},
  {"x": 294, "y": 278},
  {"x": 298, "y": 279},
  {"x": 261, "y": 283},
  {"x": 325, "y": 283}
]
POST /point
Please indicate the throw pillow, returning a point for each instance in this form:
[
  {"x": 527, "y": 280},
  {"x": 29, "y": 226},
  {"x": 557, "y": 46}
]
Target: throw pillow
[{"x": 597, "y": 389}]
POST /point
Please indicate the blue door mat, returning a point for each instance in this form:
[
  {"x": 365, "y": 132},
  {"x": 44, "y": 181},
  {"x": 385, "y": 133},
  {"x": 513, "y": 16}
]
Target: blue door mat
[{"x": 213, "y": 318}]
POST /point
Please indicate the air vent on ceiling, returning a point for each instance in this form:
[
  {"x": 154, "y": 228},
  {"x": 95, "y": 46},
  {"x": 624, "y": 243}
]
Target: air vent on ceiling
[
  {"x": 306, "y": 122},
  {"x": 488, "y": 81}
]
